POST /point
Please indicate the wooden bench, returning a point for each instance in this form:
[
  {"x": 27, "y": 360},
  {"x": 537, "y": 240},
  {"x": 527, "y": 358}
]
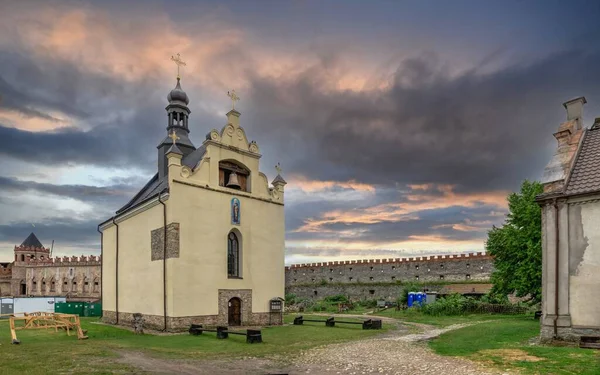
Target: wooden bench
[
  {"x": 252, "y": 335},
  {"x": 330, "y": 322}
]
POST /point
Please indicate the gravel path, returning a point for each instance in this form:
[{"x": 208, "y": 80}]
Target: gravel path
[{"x": 394, "y": 353}]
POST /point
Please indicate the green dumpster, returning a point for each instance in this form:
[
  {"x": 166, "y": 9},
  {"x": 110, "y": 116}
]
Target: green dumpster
[
  {"x": 75, "y": 308},
  {"x": 92, "y": 309}
]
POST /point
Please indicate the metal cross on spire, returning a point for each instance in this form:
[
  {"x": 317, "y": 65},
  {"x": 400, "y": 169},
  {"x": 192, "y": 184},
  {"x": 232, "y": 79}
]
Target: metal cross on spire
[
  {"x": 278, "y": 168},
  {"x": 234, "y": 98},
  {"x": 173, "y": 136},
  {"x": 178, "y": 62}
]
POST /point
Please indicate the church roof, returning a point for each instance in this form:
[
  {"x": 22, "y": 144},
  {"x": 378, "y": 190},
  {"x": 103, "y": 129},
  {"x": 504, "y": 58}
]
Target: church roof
[
  {"x": 154, "y": 187},
  {"x": 174, "y": 149},
  {"x": 32, "y": 241},
  {"x": 192, "y": 159},
  {"x": 585, "y": 177},
  {"x": 279, "y": 179}
]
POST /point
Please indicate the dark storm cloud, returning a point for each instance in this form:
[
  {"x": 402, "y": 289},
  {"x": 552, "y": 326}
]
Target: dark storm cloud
[
  {"x": 431, "y": 222},
  {"x": 104, "y": 195},
  {"x": 64, "y": 232},
  {"x": 114, "y": 123},
  {"x": 479, "y": 131}
]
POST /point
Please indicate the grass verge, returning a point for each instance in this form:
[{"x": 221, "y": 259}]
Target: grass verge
[
  {"x": 506, "y": 344},
  {"x": 416, "y": 316},
  {"x": 48, "y": 352}
]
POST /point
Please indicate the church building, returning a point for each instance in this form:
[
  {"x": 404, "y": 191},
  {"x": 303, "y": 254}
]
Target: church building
[
  {"x": 570, "y": 237},
  {"x": 203, "y": 241}
]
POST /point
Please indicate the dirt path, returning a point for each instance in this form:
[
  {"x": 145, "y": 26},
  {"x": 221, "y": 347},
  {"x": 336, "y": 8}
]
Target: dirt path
[{"x": 396, "y": 352}]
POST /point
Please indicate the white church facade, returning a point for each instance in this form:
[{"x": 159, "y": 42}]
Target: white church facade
[{"x": 203, "y": 241}]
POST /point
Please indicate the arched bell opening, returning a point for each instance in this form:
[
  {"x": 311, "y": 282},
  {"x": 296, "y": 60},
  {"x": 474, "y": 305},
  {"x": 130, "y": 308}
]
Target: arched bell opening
[{"x": 234, "y": 175}]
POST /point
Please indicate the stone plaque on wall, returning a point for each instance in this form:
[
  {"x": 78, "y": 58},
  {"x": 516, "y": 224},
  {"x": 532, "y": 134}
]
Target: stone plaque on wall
[{"x": 157, "y": 240}]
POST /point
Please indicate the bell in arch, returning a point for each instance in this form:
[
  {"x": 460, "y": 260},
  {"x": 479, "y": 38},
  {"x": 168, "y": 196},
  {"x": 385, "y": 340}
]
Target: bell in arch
[{"x": 233, "y": 182}]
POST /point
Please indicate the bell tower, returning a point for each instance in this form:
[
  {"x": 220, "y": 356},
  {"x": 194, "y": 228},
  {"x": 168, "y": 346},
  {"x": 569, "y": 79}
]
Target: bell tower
[{"x": 178, "y": 115}]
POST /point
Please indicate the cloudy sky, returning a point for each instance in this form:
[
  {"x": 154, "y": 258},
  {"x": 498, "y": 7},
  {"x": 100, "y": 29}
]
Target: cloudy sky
[{"x": 400, "y": 125}]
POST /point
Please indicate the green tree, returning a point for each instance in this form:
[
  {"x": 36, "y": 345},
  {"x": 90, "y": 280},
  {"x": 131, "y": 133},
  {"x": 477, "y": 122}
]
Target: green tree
[{"x": 517, "y": 246}]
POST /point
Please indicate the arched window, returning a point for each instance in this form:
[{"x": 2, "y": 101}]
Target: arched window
[
  {"x": 233, "y": 255},
  {"x": 52, "y": 285}
]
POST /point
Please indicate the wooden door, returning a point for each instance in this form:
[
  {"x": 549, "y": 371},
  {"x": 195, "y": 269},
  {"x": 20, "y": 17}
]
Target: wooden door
[{"x": 235, "y": 312}]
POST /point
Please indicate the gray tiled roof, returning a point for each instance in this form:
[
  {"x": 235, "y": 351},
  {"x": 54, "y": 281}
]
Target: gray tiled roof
[
  {"x": 151, "y": 189},
  {"x": 156, "y": 185},
  {"x": 32, "y": 241},
  {"x": 277, "y": 179},
  {"x": 585, "y": 177},
  {"x": 192, "y": 160}
]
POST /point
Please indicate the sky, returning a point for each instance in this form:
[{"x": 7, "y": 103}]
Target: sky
[{"x": 401, "y": 126}]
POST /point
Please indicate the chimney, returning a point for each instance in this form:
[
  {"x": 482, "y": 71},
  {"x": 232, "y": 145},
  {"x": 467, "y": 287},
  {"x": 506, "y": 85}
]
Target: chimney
[{"x": 574, "y": 109}]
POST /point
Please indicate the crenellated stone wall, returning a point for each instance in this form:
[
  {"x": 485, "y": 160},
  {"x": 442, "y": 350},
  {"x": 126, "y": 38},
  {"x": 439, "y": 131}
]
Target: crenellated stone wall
[
  {"x": 383, "y": 278},
  {"x": 455, "y": 268}
]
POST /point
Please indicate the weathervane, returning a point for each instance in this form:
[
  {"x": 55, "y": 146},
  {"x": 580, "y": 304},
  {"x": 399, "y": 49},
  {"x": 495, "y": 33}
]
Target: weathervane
[
  {"x": 178, "y": 62},
  {"x": 278, "y": 168},
  {"x": 234, "y": 98},
  {"x": 173, "y": 136}
]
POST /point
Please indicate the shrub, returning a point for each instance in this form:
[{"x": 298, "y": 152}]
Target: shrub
[
  {"x": 454, "y": 304},
  {"x": 368, "y": 303},
  {"x": 340, "y": 298},
  {"x": 290, "y": 299},
  {"x": 457, "y": 304}
]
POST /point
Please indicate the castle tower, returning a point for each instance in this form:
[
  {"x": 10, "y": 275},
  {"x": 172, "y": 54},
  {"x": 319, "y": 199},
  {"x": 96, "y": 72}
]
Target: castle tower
[{"x": 29, "y": 250}]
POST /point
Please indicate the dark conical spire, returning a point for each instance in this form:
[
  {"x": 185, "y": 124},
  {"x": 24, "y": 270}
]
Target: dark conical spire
[
  {"x": 177, "y": 123},
  {"x": 32, "y": 241}
]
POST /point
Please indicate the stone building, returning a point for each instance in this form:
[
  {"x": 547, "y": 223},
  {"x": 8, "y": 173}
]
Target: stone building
[
  {"x": 383, "y": 278},
  {"x": 570, "y": 237},
  {"x": 203, "y": 241},
  {"x": 35, "y": 273}
]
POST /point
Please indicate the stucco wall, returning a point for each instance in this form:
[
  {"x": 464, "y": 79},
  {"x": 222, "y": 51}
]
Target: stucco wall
[
  {"x": 201, "y": 269},
  {"x": 584, "y": 262},
  {"x": 140, "y": 280}
]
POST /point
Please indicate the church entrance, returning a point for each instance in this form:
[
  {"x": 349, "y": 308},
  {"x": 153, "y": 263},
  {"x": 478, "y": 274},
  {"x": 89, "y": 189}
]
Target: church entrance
[
  {"x": 23, "y": 288},
  {"x": 235, "y": 312}
]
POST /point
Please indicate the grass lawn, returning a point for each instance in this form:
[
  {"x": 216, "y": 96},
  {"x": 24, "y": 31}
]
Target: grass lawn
[
  {"x": 45, "y": 352},
  {"x": 416, "y": 316},
  {"x": 505, "y": 344}
]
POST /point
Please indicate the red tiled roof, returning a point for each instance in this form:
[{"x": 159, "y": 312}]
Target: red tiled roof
[{"x": 585, "y": 177}]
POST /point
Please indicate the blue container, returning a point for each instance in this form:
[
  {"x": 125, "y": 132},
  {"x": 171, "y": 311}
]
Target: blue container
[
  {"x": 418, "y": 298},
  {"x": 411, "y": 298}
]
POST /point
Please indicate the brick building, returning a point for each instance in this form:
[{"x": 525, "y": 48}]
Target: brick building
[{"x": 35, "y": 273}]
